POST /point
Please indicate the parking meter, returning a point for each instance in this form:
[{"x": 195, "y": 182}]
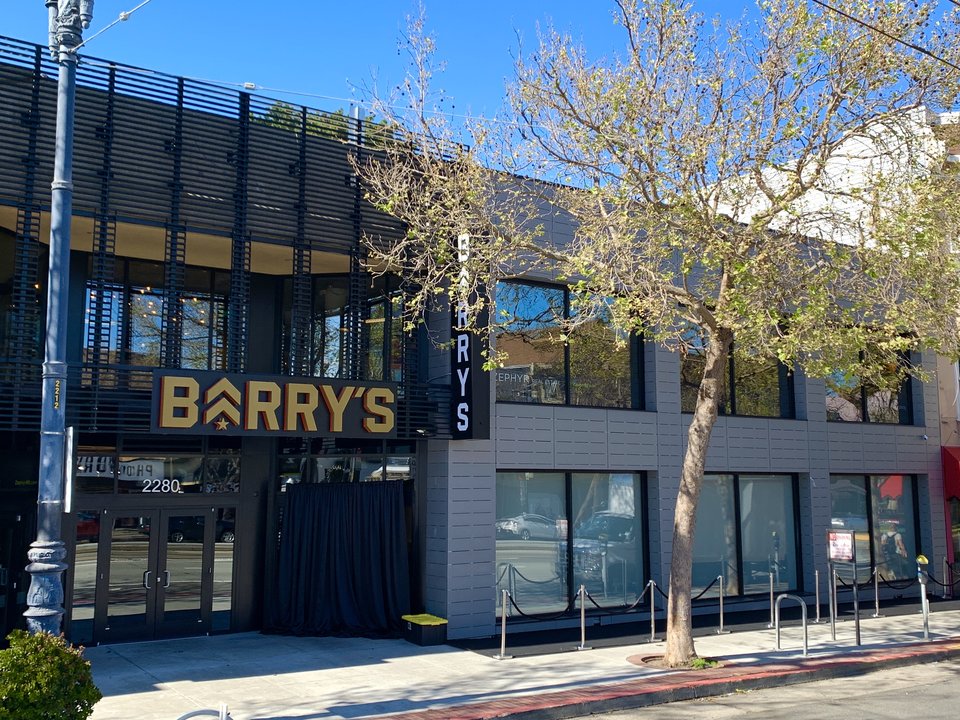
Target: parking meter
[{"x": 922, "y": 563}]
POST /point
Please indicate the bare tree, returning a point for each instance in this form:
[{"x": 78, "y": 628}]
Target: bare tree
[{"x": 776, "y": 183}]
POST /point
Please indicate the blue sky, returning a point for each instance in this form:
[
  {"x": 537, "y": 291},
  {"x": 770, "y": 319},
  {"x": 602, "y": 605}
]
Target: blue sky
[{"x": 328, "y": 49}]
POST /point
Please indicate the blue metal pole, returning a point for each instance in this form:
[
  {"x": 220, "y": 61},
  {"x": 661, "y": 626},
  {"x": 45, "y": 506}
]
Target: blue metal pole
[{"x": 45, "y": 595}]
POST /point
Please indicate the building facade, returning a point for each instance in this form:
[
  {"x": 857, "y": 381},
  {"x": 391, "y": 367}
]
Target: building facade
[{"x": 258, "y": 443}]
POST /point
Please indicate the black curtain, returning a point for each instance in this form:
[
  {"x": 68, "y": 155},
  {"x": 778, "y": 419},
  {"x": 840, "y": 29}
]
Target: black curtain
[{"x": 342, "y": 561}]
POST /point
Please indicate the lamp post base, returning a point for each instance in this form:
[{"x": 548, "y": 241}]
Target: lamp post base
[{"x": 45, "y": 596}]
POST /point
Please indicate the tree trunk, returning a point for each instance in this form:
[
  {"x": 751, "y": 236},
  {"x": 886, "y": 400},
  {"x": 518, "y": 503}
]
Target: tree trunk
[{"x": 680, "y": 650}]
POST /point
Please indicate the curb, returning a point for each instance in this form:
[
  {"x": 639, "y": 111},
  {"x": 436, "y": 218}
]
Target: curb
[{"x": 690, "y": 685}]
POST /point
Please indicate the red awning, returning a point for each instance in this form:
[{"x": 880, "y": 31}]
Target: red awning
[{"x": 951, "y": 471}]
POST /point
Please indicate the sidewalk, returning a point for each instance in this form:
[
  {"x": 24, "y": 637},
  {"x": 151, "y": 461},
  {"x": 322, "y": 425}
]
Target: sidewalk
[{"x": 269, "y": 677}]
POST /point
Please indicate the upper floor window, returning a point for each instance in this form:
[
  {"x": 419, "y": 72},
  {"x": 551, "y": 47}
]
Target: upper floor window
[
  {"x": 326, "y": 347},
  {"x": 595, "y": 365},
  {"x": 757, "y": 387},
  {"x": 124, "y": 320},
  {"x": 849, "y": 399}
]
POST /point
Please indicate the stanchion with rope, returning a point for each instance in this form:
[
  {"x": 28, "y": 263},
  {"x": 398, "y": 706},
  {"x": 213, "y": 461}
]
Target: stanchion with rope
[
  {"x": 832, "y": 591},
  {"x": 947, "y": 579},
  {"x": 816, "y": 592},
  {"x": 653, "y": 611},
  {"x": 502, "y": 655},
  {"x": 720, "y": 630},
  {"x": 583, "y": 620},
  {"x": 771, "y": 623},
  {"x": 876, "y": 593}
]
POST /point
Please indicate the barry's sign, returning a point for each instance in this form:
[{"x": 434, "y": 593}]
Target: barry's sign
[{"x": 213, "y": 403}]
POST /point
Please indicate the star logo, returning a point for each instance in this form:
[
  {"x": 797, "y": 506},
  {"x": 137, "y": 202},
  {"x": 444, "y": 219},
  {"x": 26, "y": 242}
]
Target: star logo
[{"x": 221, "y": 424}]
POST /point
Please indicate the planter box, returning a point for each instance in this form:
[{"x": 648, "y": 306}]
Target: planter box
[{"x": 424, "y": 629}]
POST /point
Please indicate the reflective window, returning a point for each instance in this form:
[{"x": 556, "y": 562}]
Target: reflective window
[
  {"x": 296, "y": 468},
  {"x": 223, "y": 569},
  {"x": 600, "y": 373},
  {"x": 746, "y": 531},
  {"x": 607, "y": 536},
  {"x": 130, "y": 313},
  {"x": 531, "y": 531},
  {"x": 84, "y": 569},
  {"x": 715, "y": 540},
  {"x": 545, "y": 550},
  {"x": 768, "y": 540},
  {"x": 880, "y": 509},
  {"x": 104, "y": 473},
  {"x": 591, "y": 366},
  {"x": 894, "y": 532},
  {"x": 533, "y": 352},
  {"x": 756, "y": 387},
  {"x": 324, "y": 328},
  {"x": 851, "y": 400}
]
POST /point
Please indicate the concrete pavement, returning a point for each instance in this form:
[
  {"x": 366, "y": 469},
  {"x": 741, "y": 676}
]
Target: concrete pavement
[{"x": 263, "y": 677}]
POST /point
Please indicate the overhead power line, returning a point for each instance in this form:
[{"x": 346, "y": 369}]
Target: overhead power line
[{"x": 905, "y": 43}]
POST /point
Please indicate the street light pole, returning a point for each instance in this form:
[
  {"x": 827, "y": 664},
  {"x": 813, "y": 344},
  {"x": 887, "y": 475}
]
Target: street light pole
[{"x": 67, "y": 18}]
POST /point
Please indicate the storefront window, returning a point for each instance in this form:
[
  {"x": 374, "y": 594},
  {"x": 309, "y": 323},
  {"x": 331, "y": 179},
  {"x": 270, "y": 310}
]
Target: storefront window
[
  {"x": 531, "y": 530},
  {"x": 99, "y": 472},
  {"x": 894, "y": 533},
  {"x": 607, "y": 536},
  {"x": 542, "y": 563},
  {"x": 767, "y": 537},
  {"x": 880, "y": 509},
  {"x": 746, "y": 530},
  {"x": 715, "y": 541}
]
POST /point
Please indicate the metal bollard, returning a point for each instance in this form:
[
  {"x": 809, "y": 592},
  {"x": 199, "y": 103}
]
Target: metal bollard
[
  {"x": 771, "y": 623},
  {"x": 502, "y": 655},
  {"x": 583, "y": 620},
  {"x": 720, "y": 630},
  {"x": 876, "y": 593},
  {"x": 653, "y": 611}
]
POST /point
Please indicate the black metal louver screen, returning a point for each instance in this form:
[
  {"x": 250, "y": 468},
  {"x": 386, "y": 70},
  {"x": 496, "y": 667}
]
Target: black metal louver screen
[{"x": 178, "y": 157}]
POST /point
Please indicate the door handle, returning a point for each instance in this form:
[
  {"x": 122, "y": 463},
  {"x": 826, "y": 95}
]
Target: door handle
[
  {"x": 146, "y": 579},
  {"x": 166, "y": 579}
]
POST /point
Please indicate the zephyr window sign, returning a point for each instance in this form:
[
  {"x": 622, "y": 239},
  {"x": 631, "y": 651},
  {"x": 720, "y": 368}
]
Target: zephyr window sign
[{"x": 212, "y": 403}]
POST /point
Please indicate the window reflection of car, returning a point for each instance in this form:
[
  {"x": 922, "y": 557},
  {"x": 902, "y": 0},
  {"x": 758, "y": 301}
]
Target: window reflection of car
[
  {"x": 606, "y": 542},
  {"x": 190, "y": 529},
  {"x": 527, "y": 526},
  {"x": 88, "y": 526}
]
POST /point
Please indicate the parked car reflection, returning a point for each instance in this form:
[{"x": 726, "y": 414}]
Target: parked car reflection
[
  {"x": 527, "y": 526},
  {"x": 605, "y": 556},
  {"x": 190, "y": 529}
]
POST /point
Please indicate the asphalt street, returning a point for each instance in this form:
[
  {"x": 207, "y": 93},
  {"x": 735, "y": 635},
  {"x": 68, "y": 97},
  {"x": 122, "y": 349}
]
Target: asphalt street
[{"x": 915, "y": 691}]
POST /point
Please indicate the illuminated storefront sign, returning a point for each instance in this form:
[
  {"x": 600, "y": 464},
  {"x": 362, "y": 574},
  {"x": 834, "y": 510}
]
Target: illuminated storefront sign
[{"x": 214, "y": 403}]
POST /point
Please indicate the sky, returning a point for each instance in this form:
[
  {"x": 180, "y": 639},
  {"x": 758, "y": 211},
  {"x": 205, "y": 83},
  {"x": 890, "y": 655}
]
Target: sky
[{"x": 330, "y": 51}]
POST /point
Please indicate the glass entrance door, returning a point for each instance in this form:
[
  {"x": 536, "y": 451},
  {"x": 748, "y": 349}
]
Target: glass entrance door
[{"x": 145, "y": 574}]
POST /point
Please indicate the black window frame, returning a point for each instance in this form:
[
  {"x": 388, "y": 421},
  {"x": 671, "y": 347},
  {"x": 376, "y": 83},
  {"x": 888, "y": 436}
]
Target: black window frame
[
  {"x": 635, "y": 346},
  {"x": 728, "y": 403}
]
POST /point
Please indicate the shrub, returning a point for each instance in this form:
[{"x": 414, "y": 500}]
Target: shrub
[{"x": 43, "y": 678}]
